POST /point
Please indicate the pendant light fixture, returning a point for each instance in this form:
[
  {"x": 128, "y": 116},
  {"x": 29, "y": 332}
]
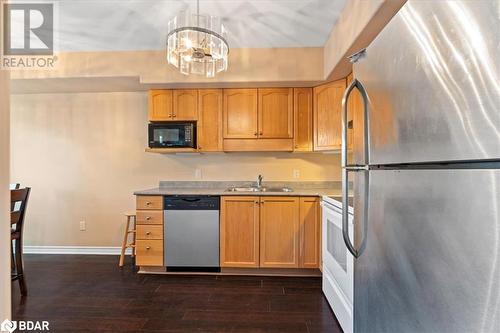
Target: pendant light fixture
[{"x": 196, "y": 44}]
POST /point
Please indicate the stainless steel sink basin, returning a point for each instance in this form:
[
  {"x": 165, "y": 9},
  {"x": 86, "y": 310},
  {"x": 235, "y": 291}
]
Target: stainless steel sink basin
[
  {"x": 259, "y": 189},
  {"x": 277, "y": 189},
  {"x": 244, "y": 189}
]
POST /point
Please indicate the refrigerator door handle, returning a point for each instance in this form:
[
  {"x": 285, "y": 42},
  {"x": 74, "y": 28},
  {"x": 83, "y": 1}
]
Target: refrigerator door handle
[
  {"x": 346, "y": 168},
  {"x": 345, "y": 212},
  {"x": 358, "y": 85}
]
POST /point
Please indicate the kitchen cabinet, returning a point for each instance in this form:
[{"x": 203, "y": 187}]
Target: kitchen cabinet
[
  {"x": 279, "y": 231},
  {"x": 239, "y": 228},
  {"x": 327, "y": 115},
  {"x": 160, "y": 105},
  {"x": 210, "y": 120},
  {"x": 173, "y": 105},
  {"x": 275, "y": 113},
  {"x": 185, "y": 104},
  {"x": 309, "y": 232},
  {"x": 149, "y": 231},
  {"x": 270, "y": 232},
  {"x": 240, "y": 114},
  {"x": 302, "y": 119}
]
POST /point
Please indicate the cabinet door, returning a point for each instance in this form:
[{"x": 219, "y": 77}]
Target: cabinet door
[
  {"x": 185, "y": 104},
  {"x": 275, "y": 109},
  {"x": 328, "y": 116},
  {"x": 210, "y": 120},
  {"x": 279, "y": 232},
  {"x": 302, "y": 119},
  {"x": 309, "y": 232},
  {"x": 160, "y": 105},
  {"x": 239, "y": 231},
  {"x": 240, "y": 113}
]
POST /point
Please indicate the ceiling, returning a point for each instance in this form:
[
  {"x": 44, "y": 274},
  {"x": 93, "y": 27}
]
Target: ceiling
[{"x": 112, "y": 25}]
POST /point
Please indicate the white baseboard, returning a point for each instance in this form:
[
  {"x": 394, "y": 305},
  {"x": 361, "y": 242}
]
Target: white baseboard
[{"x": 101, "y": 250}]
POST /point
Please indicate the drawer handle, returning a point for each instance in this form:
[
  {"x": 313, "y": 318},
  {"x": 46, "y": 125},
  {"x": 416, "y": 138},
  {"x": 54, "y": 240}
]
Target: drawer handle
[
  {"x": 148, "y": 247},
  {"x": 148, "y": 203},
  {"x": 148, "y": 233},
  {"x": 148, "y": 218}
]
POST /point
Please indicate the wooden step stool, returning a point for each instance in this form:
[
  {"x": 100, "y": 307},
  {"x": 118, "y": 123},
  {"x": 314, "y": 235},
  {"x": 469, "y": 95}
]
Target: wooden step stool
[{"x": 131, "y": 219}]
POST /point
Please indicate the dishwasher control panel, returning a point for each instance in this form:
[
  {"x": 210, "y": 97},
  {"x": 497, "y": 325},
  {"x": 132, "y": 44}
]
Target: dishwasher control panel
[{"x": 191, "y": 202}]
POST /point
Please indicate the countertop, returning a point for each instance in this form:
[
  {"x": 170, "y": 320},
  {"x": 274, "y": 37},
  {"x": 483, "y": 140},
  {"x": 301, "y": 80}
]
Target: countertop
[{"x": 219, "y": 188}]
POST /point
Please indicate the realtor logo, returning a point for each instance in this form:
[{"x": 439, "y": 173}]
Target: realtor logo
[
  {"x": 8, "y": 326},
  {"x": 28, "y": 29}
]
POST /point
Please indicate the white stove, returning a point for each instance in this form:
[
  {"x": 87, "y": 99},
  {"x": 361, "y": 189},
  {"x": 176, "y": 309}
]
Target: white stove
[{"x": 338, "y": 277}]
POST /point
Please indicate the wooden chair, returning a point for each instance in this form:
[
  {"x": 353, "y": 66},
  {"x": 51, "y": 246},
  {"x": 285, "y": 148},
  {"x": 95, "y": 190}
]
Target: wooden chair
[
  {"x": 17, "y": 221},
  {"x": 131, "y": 219}
]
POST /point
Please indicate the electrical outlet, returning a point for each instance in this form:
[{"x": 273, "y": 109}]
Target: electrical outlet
[
  {"x": 197, "y": 174},
  {"x": 296, "y": 173},
  {"x": 83, "y": 226}
]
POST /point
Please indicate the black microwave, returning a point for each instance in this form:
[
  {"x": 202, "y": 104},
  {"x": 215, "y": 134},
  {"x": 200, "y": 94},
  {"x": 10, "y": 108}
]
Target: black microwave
[{"x": 172, "y": 135}]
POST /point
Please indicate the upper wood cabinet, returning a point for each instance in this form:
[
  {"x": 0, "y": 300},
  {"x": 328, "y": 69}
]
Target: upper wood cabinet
[
  {"x": 309, "y": 231},
  {"x": 279, "y": 231},
  {"x": 302, "y": 119},
  {"x": 170, "y": 105},
  {"x": 275, "y": 113},
  {"x": 240, "y": 114},
  {"x": 185, "y": 104},
  {"x": 327, "y": 115},
  {"x": 239, "y": 231},
  {"x": 160, "y": 105},
  {"x": 210, "y": 120}
]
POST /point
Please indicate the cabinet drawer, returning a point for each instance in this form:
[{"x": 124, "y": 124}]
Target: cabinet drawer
[
  {"x": 149, "y": 217},
  {"x": 149, "y": 232},
  {"x": 149, "y": 253},
  {"x": 150, "y": 202}
]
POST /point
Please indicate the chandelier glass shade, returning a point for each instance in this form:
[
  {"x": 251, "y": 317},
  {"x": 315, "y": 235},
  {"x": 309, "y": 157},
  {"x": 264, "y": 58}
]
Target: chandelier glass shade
[{"x": 196, "y": 44}]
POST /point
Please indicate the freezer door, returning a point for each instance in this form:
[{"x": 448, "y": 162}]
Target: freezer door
[
  {"x": 433, "y": 81},
  {"x": 431, "y": 257}
]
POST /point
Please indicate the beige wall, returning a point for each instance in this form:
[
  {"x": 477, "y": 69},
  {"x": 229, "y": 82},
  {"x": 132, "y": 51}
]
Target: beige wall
[
  {"x": 4, "y": 197},
  {"x": 359, "y": 23},
  {"x": 83, "y": 155}
]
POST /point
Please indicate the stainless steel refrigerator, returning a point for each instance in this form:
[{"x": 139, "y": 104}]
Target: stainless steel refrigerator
[{"x": 426, "y": 175}]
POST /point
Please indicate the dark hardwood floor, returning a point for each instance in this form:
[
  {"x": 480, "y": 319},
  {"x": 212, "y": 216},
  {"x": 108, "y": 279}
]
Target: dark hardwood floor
[{"x": 78, "y": 293}]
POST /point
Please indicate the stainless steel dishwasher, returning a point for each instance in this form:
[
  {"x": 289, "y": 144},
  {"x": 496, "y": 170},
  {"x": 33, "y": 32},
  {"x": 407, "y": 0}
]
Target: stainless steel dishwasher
[{"x": 191, "y": 233}]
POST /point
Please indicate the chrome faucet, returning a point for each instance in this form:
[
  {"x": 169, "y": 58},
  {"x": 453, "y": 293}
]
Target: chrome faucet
[{"x": 259, "y": 181}]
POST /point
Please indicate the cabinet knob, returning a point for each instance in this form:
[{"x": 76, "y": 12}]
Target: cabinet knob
[
  {"x": 256, "y": 202},
  {"x": 148, "y": 247},
  {"x": 255, "y": 133},
  {"x": 261, "y": 133},
  {"x": 148, "y": 233},
  {"x": 148, "y": 218},
  {"x": 148, "y": 203},
  {"x": 174, "y": 116}
]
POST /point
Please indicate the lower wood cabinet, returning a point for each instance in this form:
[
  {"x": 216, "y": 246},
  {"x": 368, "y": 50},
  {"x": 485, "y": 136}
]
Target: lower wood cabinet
[
  {"x": 239, "y": 231},
  {"x": 279, "y": 232},
  {"x": 310, "y": 233},
  {"x": 149, "y": 252},
  {"x": 270, "y": 232},
  {"x": 149, "y": 231}
]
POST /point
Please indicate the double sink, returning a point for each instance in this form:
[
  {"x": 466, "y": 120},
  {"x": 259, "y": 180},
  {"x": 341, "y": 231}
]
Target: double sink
[{"x": 259, "y": 189}]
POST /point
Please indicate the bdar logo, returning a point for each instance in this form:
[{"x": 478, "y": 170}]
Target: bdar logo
[
  {"x": 8, "y": 326},
  {"x": 28, "y": 29}
]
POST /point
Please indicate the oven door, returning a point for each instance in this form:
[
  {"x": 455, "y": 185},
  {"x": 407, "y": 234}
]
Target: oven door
[
  {"x": 338, "y": 265},
  {"x": 172, "y": 135}
]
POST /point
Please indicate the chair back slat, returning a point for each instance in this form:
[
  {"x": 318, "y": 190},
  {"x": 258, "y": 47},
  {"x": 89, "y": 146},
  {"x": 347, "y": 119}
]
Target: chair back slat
[
  {"x": 19, "y": 195},
  {"x": 15, "y": 217},
  {"x": 18, "y": 203}
]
